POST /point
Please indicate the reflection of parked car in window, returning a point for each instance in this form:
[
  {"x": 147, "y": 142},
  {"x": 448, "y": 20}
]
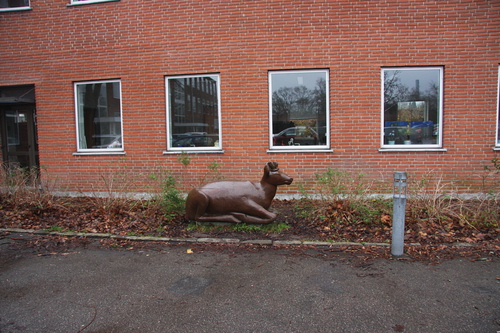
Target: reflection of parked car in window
[
  {"x": 204, "y": 140},
  {"x": 184, "y": 135},
  {"x": 296, "y": 136}
]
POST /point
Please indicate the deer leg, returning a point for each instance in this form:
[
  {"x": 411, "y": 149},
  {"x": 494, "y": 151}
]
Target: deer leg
[
  {"x": 196, "y": 205},
  {"x": 254, "y": 219},
  {"x": 256, "y": 214},
  {"x": 219, "y": 218}
]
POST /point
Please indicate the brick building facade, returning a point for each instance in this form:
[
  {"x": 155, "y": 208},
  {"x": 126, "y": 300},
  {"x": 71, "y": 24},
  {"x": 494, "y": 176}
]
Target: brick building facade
[{"x": 124, "y": 89}]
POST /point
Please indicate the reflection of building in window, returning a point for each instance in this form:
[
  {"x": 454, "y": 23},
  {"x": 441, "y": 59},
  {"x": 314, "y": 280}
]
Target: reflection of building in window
[
  {"x": 99, "y": 115},
  {"x": 193, "y": 107},
  {"x": 299, "y": 108}
]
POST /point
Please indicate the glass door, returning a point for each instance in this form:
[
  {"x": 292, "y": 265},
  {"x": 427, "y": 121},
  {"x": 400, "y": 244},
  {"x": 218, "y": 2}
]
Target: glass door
[{"x": 19, "y": 141}]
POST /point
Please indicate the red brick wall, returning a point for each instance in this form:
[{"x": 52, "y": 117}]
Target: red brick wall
[{"x": 140, "y": 42}]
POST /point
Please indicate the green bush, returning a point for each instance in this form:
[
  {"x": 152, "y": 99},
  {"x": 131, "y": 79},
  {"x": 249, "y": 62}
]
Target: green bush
[{"x": 173, "y": 200}]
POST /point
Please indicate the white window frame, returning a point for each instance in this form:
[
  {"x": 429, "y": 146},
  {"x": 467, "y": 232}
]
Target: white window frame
[
  {"x": 497, "y": 134},
  {"x": 413, "y": 147},
  {"x": 11, "y": 9},
  {"x": 78, "y": 119},
  {"x": 293, "y": 148},
  {"x": 218, "y": 147}
]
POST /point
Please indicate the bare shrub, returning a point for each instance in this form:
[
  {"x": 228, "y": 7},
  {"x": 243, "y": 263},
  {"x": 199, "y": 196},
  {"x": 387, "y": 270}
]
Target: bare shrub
[
  {"x": 23, "y": 187},
  {"x": 483, "y": 211},
  {"x": 431, "y": 199},
  {"x": 342, "y": 185},
  {"x": 115, "y": 191}
]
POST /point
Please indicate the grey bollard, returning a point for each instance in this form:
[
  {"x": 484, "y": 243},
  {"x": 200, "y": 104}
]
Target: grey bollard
[{"x": 398, "y": 218}]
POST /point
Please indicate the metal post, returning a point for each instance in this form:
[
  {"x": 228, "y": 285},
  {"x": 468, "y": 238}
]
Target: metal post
[{"x": 398, "y": 218}]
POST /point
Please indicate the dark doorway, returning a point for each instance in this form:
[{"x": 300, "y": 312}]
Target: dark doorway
[{"x": 18, "y": 127}]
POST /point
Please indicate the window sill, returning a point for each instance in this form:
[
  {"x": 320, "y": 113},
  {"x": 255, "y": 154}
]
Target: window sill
[
  {"x": 173, "y": 152},
  {"x": 413, "y": 149},
  {"x": 300, "y": 151},
  {"x": 88, "y": 2},
  {"x": 496, "y": 148},
  {"x": 15, "y": 9},
  {"x": 99, "y": 153}
]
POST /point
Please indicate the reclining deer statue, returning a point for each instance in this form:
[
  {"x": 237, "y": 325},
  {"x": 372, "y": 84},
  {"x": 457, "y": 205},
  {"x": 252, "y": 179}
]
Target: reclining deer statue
[{"x": 237, "y": 201}]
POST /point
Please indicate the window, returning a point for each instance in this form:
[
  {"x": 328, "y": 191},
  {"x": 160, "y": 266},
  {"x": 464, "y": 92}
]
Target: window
[
  {"x": 412, "y": 107},
  {"x": 193, "y": 112},
  {"x": 8, "y": 5},
  {"x": 497, "y": 141},
  {"x": 298, "y": 103},
  {"x": 99, "y": 116}
]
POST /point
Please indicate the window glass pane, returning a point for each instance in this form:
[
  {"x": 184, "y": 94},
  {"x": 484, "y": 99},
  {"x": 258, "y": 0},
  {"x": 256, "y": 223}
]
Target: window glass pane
[
  {"x": 14, "y": 3},
  {"x": 412, "y": 106},
  {"x": 99, "y": 115},
  {"x": 299, "y": 105},
  {"x": 193, "y": 108}
]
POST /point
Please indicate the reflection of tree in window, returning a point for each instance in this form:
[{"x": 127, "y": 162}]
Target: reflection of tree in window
[
  {"x": 411, "y": 106},
  {"x": 395, "y": 91},
  {"x": 299, "y": 106}
]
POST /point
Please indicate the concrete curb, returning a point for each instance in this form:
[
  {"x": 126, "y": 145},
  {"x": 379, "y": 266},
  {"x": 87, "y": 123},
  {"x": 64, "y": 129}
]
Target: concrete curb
[
  {"x": 195, "y": 240},
  {"x": 205, "y": 240}
]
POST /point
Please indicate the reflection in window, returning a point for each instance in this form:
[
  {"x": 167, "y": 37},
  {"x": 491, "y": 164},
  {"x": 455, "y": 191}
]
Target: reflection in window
[
  {"x": 299, "y": 109},
  {"x": 193, "y": 112},
  {"x": 412, "y": 109},
  {"x": 15, "y": 4},
  {"x": 98, "y": 109},
  {"x": 12, "y": 121}
]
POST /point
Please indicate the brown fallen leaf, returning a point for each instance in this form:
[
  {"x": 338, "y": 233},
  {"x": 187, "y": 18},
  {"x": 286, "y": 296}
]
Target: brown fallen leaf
[{"x": 398, "y": 328}]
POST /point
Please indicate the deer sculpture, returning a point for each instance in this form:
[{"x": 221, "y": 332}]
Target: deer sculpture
[{"x": 237, "y": 201}]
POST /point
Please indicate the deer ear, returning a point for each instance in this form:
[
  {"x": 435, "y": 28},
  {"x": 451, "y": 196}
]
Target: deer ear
[{"x": 272, "y": 167}]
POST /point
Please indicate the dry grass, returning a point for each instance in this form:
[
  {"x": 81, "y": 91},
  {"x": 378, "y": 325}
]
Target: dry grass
[{"x": 24, "y": 187}]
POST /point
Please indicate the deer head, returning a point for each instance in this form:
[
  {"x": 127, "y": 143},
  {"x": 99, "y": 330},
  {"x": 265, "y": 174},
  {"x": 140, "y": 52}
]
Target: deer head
[{"x": 274, "y": 176}]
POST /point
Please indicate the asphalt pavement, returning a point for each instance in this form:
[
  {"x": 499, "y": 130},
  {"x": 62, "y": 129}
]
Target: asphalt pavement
[{"x": 185, "y": 288}]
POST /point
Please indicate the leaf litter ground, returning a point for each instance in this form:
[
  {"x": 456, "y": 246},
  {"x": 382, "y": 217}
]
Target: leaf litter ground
[{"x": 438, "y": 240}]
